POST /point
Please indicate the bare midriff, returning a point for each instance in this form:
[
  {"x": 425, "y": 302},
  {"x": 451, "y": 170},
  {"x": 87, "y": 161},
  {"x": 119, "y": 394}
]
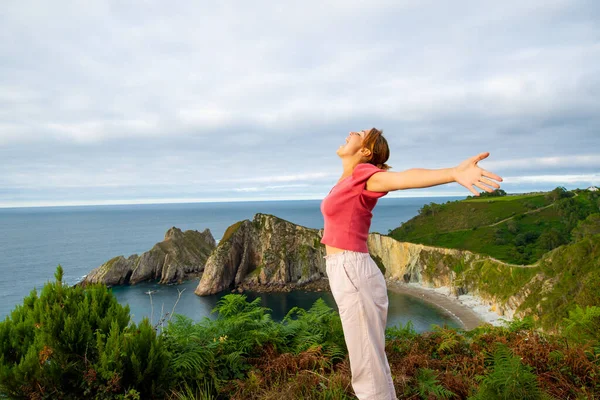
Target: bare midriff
[{"x": 332, "y": 250}]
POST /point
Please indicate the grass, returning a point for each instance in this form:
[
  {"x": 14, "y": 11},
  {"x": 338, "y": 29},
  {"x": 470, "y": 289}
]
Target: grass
[
  {"x": 514, "y": 229},
  {"x": 533, "y": 196},
  {"x": 466, "y": 214},
  {"x": 230, "y": 231}
]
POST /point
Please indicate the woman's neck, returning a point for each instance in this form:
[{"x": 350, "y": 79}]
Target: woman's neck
[{"x": 348, "y": 166}]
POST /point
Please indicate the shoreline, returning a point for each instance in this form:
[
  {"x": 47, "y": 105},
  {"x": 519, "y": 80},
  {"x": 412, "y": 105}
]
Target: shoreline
[{"x": 467, "y": 309}]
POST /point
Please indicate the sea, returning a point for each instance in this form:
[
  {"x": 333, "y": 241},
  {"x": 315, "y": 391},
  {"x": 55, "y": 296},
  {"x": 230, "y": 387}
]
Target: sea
[{"x": 35, "y": 240}]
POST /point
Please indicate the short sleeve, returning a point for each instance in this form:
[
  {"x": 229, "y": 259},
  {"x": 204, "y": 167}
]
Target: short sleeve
[{"x": 360, "y": 176}]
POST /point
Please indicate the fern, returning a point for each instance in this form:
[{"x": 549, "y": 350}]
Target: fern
[
  {"x": 320, "y": 326},
  {"x": 401, "y": 331},
  {"x": 203, "y": 391},
  {"x": 450, "y": 339},
  {"x": 508, "y": 379},
  {"x": 517, "y": 325},
  {"x": 428, "y": 385}
]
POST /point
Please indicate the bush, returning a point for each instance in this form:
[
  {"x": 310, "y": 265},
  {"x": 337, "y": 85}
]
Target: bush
[
  {"x": 512, "y": 226},
  {"x": 73, "y": 343}
]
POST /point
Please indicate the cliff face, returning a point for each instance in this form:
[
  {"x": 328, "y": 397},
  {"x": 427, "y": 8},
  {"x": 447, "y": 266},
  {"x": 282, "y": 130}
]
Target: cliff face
[
  {"x": 503, "y": 286},
  {"x": 264, "y": 252},
  {"x": 180, "y": 256}
]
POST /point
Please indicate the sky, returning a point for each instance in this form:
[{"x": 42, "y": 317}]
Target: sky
[{"x": 186, "y": 101}]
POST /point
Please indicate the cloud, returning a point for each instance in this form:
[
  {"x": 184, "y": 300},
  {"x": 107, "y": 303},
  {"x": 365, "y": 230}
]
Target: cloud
[
  {"x": 572, "y": 161},
  {"x": 267, "y": 188},
  {"x": 164, "y": 100},
  {"x": 591, "y": 179},
  {"x": 286, "y": 178}
]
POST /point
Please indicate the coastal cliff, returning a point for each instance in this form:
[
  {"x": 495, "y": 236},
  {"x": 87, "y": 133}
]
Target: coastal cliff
[
  {"x": 503, "y": 286},
  {"x": 265, "y": 253},
  {"x": 181, "y": 255}
]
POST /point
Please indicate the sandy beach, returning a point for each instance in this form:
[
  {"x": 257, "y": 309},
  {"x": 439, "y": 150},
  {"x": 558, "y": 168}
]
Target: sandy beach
[{"x": 469, "y": 310}]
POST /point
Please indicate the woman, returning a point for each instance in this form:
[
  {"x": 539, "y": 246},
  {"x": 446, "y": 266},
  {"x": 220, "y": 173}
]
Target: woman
[{"x": 357, "y": 284}]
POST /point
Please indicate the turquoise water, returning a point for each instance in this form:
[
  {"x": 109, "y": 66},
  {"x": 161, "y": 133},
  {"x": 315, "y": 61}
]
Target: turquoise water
[{"x": 33, "y": 241}]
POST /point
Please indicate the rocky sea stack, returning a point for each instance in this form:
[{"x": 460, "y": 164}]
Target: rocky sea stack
[
  {"x": 267, "y": 253},
  {"x": 182, "y": 255}
]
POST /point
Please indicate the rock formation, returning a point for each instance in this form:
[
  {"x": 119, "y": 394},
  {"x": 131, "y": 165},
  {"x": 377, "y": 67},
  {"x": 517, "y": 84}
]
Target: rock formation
[
  {"x": 180, "y": 256},
  {"x": 267, "y": 252}
]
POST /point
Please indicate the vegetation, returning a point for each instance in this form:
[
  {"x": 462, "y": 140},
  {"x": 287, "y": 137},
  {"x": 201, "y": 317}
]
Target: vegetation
[
  {"x": 73, "y": 343},
  {"x": 514, "y": 229},
  {"x": 494, "y": 193},
  {"x": 230, "y": 231},
  {"x": 569, "y": 276}
]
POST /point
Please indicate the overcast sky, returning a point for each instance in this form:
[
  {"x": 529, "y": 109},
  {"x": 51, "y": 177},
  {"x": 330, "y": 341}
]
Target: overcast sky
[{"x": 107, "y": 102}]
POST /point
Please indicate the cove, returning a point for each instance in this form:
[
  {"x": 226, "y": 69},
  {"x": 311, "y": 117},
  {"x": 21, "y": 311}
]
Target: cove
[{"x": 402, "y": 307}]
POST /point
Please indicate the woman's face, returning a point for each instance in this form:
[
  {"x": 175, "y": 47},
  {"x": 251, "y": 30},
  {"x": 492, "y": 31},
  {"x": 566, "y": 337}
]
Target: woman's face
[{"x": 353, "y": 144}]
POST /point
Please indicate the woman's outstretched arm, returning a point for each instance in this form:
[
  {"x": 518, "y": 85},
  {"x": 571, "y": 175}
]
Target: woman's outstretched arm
[{"x": 467, "y": 173}]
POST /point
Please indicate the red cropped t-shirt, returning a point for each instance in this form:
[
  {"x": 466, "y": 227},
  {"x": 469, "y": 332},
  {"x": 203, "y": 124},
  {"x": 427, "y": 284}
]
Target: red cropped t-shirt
[{"x": 347, "y": 210}]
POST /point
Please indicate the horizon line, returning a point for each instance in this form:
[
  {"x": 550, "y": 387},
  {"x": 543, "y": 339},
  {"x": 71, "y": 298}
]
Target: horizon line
[
  {"x": 123, "y": 202},
  {"x": 132, "y": 202}
]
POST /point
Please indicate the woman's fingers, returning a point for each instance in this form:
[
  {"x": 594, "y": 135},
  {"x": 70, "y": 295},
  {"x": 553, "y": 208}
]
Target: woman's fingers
[
  {"x": 483, "y": 187},
  {"x": 475, "y": 192},
  {"x": 491, "y": 175},
  {"x": 489, "y": 182},
  {"x": 481, "y": 156}
]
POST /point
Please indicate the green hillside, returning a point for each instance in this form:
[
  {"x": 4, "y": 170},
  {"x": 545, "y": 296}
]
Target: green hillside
[
  {"x": 568, "y": 277},
  {"x": 514, "y": 229}
]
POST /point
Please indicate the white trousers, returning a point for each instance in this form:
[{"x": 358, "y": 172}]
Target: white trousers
[{"x": 359, "y": 289}]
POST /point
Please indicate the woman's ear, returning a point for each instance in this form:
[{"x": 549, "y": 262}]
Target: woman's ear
[{"x": 365, "y": 152}]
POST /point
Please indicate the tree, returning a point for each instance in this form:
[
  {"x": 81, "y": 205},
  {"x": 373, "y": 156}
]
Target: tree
[
  {"x": 551, "y": 239},
  {"x": 559, "y": 193},
  {"x": 494, "y": 193},
  {"x": 425, "y": 210}
]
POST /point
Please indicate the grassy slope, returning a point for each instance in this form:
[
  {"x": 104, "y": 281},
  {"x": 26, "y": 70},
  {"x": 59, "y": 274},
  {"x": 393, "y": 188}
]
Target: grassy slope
[
  {"x": 465, "y": 225},
  {"x": 466, "y": 214}
]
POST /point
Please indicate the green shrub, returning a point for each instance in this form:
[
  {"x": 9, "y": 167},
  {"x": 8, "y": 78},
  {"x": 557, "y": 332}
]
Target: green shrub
[
  {"x": 73, "y": 343},
  {"x": 583, "y": 324},
  {"x": 508, "y": 379},
  {"x": 320, "y": 326},
  {"x": 212, "y": 352},
  {"x": 427, "y": 385}
]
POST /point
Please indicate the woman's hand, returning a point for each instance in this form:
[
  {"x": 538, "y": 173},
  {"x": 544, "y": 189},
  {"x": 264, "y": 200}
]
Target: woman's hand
[{"x": 467, "y": 173}]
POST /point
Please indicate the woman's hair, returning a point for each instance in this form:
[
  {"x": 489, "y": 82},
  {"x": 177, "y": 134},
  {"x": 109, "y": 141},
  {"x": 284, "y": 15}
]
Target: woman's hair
[{"x": 380, "y": 152}]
